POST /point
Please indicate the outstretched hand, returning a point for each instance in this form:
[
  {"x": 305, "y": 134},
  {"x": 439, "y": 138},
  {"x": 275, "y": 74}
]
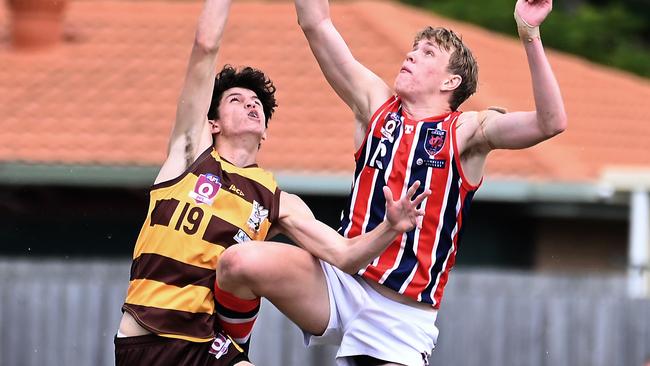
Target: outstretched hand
[
  {"x": 403, "y": 215},
  {"x": 533, "y": 12}
]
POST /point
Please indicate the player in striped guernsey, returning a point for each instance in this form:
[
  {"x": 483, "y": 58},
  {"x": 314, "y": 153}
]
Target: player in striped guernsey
[
  {"x": 385, "y": 313},
  {"x": 210, "y": 195}
]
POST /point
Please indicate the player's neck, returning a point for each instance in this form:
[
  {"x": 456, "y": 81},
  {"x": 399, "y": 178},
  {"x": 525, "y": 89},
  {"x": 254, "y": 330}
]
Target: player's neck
[
  {"x": 421, "y": 108},
  {"x": 238, "y": 153}
]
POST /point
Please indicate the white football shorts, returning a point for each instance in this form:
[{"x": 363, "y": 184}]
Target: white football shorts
[{"x": 364, "y": 322}]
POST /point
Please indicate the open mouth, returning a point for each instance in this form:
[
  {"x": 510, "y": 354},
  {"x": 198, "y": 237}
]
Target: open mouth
[{"x": 253, "y": 114}]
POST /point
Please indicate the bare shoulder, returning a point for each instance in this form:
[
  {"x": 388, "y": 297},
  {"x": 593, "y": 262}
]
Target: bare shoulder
[
  {"x": 479, "y": 117},
  {"x": 183, "y": 151},
  {"x": 466, "y": 118},
  {"x": 489, "y": 114},
  {"x": 288, "y": 199},
  {"x": 466, "y": 126},
  {"x": 470, "y": 128},
  {"x": 376, "y": 98}
]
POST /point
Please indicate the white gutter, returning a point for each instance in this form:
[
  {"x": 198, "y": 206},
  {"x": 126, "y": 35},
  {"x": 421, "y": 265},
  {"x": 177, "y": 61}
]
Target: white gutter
[
  {"x": 77, "y": 175},
  {"x": 322, "y": 183},
  {"x": 501, "y": 190}
]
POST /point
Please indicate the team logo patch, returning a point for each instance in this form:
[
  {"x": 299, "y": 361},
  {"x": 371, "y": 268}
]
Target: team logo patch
[
  {"x": 258, "y": 215},
  {"x": 206, "y": 188},
  {"x": 220, "y": 346},
  {"x": 434, "y": 141},
  {"x": 241, "y": 237}
]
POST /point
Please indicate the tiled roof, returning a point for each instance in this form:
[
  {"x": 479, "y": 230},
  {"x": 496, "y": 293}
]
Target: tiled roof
[{"x": 107, "y": 94}]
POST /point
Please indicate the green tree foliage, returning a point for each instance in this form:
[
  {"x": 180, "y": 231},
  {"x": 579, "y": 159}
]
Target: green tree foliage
[{"x": 614, "y": 34}]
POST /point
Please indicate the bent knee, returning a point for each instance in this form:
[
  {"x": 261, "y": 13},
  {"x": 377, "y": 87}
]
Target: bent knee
[
  {"x": 229, "y": 266},
  {"x": 236, "y": 265}
]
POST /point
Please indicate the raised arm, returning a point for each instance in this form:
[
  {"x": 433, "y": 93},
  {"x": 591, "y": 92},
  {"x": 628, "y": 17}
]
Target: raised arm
[
  {"x": 524, "y": 129},
  {"x": 297, "y": 221},
  {"x": 191, "y": 133},
  {"x": 358, "y": 87}
]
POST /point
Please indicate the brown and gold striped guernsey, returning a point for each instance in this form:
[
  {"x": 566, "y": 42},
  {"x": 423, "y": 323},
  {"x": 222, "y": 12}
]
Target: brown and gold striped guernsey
[{"x": 191, "y": 220}]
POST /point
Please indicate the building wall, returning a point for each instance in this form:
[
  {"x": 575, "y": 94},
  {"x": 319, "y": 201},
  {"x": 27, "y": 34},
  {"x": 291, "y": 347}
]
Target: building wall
[
  {"x": 46, "y": 221},
  {"x": 581, "y": 245}
]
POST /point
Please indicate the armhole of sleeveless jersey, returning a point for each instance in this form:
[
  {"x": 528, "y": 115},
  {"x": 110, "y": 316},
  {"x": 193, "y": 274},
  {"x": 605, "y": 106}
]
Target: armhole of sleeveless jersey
[
  {"x": 275, "y": 210},
  {"x": 370, "y": 123},
  {"x": 192, "y": 166},
  {"x": 465, "y": 183}
]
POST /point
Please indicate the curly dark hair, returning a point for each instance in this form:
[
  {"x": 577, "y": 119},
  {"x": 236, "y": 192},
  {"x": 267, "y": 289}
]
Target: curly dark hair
[{"x": 247, "y": 78}]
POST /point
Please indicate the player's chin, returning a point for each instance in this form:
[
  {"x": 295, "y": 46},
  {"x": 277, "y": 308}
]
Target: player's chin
[
  {"x": 401, "y": 86},
  {"x": 398, "y": 84}
]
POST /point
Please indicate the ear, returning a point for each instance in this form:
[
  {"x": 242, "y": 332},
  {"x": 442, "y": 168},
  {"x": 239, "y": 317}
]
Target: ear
[
  {"x": 215, "y": 127},
  {"x": 264, "y": 135},
  {"x": 451, "y": 83}
]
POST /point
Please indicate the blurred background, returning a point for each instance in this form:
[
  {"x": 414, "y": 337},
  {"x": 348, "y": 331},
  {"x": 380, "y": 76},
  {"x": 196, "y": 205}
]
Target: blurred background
[{"x": 553, "y": 267}]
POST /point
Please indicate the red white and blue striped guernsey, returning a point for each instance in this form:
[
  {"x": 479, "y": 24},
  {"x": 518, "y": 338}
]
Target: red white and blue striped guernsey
[{"x": 396, "y": 152}]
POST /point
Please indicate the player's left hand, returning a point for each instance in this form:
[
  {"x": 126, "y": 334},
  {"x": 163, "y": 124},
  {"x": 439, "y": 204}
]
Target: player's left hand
[
  {"x": 403, "y": 215},
  {"x": 533, "y": 12}
]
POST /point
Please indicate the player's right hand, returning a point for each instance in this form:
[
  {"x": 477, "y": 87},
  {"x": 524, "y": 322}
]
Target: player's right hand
[{"x": 404, "y": 215}]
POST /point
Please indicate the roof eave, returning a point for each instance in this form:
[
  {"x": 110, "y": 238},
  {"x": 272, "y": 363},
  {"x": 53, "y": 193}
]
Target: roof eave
[
  {"x": 333, "y": 184},
  {"x": 77, "y": 175}
]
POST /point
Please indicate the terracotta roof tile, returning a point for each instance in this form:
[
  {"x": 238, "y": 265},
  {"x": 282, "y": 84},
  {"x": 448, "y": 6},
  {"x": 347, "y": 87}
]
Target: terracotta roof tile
[{"x": 107, "y": 95}]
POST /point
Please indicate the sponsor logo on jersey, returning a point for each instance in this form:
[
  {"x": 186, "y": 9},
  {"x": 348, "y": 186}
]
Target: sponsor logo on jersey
[
  {"x": 431, "y": 163},
  {"x": 258, "y": 214},
  {"x": 434, "y": 141},
  {"x": 206, "y": 188},
  {"x": 408, "y": 129},
  {"x": 234, "y": 188}
]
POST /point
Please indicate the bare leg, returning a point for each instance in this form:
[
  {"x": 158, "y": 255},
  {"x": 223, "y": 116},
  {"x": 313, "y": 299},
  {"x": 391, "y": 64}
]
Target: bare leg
[{"x": 289, "y": 277}]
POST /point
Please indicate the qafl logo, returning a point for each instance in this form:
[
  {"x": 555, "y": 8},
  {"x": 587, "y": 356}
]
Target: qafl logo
[
  {"x": 206, "y": 188},
  {"x": 391, "y": 124},
  {"x": 219, "y": 346}
]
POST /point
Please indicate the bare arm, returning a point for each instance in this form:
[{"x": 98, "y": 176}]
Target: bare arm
[
  {"x": 358, "y": 87},
  {"x": 191, "y": 133},
  {"x": 298, "y": 222},
  {"x": 524, "y": 129}
]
